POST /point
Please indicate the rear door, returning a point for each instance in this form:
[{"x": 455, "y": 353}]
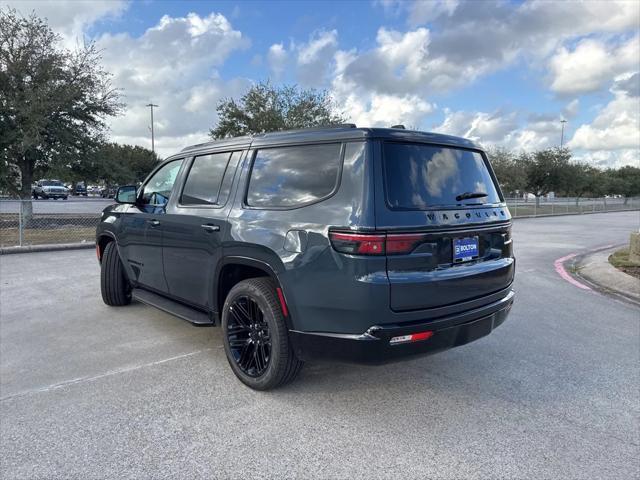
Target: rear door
[
  {"x": 448, "y": 230},
  {"x": 195, "y": 226}
]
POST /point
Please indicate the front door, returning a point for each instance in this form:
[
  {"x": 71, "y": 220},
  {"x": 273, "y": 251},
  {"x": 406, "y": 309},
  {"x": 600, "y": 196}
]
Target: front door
[{"x": 142, "y": 228}]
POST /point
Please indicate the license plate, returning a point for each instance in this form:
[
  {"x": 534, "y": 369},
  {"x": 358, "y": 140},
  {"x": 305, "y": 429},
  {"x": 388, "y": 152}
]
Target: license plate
[{"x": 465, "y": 249}]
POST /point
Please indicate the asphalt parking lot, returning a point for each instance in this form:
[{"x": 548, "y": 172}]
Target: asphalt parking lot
[{"x": 88, "y": 391}]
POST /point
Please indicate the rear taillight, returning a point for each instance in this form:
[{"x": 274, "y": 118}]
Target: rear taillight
[
  {"x": 358, "y": 243},
  {"x": 403, "y": 242},
  {"x": 375, "y": 244}
]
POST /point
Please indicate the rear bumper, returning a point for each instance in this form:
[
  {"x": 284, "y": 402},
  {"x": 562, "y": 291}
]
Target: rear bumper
[{"x": 374, "y": 347}]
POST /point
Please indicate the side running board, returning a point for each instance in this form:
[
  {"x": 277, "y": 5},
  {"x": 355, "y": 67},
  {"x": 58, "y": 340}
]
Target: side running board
[{"x": 192, "y": 315}]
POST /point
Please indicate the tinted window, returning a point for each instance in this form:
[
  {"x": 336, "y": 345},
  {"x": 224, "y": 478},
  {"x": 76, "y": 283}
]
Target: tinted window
[
  {"x": 422, "y": 176},
  {"x": 292, "y": 176},
  {"x": 204, "y": 180},
  {"x": 158, "y": 188}
]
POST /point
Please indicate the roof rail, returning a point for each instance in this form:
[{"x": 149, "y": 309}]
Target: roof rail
[{"x": 306, "y": 129}]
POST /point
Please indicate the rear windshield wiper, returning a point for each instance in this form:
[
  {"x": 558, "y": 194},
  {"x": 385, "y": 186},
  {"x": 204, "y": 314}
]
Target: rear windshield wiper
[{"x": 468, "y": 195}]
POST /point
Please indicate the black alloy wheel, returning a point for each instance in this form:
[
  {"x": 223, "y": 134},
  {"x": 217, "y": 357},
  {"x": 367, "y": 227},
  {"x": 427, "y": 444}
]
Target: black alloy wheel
[
  {"x": 256, "y": 336},
  {"x": 249, "y": 336}
]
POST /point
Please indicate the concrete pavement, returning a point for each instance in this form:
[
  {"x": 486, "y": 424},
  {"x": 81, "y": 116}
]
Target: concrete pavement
[{"x": 88, "y": 391}]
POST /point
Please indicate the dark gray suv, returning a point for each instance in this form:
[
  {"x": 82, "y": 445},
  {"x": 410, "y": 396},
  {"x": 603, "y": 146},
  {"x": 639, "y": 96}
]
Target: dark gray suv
[{"x": 342, "y": 243}]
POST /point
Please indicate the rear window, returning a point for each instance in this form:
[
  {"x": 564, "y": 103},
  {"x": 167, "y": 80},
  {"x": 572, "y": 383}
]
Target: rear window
[
  {"x": 209, "y": 179},
  {"x": 424, "y": 176},
  {"x": 289, "y": 177}
]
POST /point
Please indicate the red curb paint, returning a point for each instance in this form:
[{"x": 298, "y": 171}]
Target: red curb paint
[{"x": 559, "y": 266}]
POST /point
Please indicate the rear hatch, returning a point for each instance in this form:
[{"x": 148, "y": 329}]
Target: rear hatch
[{"x": 448, "y": 232}]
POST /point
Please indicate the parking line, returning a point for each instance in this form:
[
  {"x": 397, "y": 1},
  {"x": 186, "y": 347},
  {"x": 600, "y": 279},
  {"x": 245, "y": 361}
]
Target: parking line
[{"x": 74, "y": 381}]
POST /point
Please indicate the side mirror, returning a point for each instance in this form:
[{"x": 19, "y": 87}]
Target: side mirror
[{"x": 126, "y": 194}]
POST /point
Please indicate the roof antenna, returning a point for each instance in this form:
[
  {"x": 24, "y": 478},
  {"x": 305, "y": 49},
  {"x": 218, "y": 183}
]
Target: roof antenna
[{"x": 401, "y": 127}]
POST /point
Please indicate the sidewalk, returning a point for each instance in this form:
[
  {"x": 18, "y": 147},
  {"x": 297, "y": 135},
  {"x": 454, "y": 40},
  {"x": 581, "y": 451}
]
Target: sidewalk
[{"x": 596, "y": 270}]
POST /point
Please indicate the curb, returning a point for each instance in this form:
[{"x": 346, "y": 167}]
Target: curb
[
  {"x": 46, "y": 248},
  {"x": 593, "y": 268}
]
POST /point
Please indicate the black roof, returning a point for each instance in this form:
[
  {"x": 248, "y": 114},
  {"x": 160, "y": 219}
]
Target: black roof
[{"x": 338, "y": 132}]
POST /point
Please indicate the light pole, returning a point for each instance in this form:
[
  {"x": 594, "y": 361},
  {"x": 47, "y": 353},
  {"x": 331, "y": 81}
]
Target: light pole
[
  {"x": 153, "y": 146},
  {"x": 563, "y": 121}
]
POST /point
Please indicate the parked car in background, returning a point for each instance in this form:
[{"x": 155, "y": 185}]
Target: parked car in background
[
  {"x": 109, "y": 192},
  {"x": 49, "y": 189},
  {"x": 345, "y": 244},
  {"x": 80, "y": 190},
  {"x": 94, "y": 190}
]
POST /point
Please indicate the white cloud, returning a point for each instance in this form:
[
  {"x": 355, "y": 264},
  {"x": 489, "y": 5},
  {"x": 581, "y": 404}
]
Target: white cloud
[
  {"x": 571, "y": 109},
  {"x": 421, "y": 12},
  {"x": 504, "y": 129},
  {"x": 617, "y": 126},
  {"x": 315, "y": 58},
  {"x": 173, "y": 64},
  {"x": 277, "y": 59},
  {"x": 592, "y": 65},
  {"x": 609, "y": 158},
  {"x": 473, "y": 38},
  {"x": 70, "y": 18},
  {"x": 479, "y": 126},
  {"x": 368, "y": 108}
]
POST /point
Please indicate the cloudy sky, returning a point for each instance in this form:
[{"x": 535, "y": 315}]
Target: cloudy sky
[{"x": 503, "y": 73}]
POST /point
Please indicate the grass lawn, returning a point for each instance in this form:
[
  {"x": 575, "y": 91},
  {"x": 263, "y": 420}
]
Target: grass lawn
[
  {"x": 39, "y": 236},
  {"x": 620, "y": 260}
]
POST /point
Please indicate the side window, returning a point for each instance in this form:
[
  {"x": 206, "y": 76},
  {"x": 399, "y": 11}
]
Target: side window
[
  {"x": 157, "y": 190},
  {"x": 205, "y": 179},
  {"x": 286, "y": 177}
]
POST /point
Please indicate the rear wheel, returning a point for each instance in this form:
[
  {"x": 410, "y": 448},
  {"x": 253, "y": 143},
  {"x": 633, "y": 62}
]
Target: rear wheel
[
  {"x": 114, "y": 285},
  {"x": 255, "y": 336}
]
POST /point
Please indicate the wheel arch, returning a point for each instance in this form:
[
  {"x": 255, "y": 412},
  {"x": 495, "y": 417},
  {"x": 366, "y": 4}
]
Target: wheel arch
[
  {"x": 234, "y": 269},
  {"x": 101, "y": 243}
]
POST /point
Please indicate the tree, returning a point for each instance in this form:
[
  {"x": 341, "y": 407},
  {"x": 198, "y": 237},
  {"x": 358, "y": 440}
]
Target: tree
[
  {"x": 267, "y": 108},
  {"x": 547, "y": 171},
  {"x": 584, "y": 179},
  {"x": 123, "y": 164},
  {"x": 53, "y": 102},
  {"x": 509, "y": 170},
  {"x": 109, "y": 164},
  {"x": 625, "y": 181}
]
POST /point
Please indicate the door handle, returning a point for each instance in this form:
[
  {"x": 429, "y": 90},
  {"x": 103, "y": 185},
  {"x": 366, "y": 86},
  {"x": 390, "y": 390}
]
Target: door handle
[
  {"x": 211, "y": 228},
  {"x": 155, "y": 223}
]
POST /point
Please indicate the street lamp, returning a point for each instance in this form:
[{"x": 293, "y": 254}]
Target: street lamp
[
  {"x": 153, "y": 146},
  {"x": 563, "y": 121}
]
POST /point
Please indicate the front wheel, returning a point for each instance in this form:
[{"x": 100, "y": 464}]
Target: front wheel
[
  {"x": 255, "y": 336},
  {"x": 114, "y": 285}
]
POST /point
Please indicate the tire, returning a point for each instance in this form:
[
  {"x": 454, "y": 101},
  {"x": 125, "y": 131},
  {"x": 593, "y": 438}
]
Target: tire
[
  {"x": 64, "y": 198},
  {"x": 35, "y": 196},
  {"x": 114, "y": 285},
  {"x": 282, "y": 365}
]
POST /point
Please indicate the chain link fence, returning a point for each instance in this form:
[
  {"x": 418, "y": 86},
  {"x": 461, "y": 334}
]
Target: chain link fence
[
  {"x": 529, "y": 207},
  {"x": 22, "y": 223},
  {"x": 27, "y": 223}
]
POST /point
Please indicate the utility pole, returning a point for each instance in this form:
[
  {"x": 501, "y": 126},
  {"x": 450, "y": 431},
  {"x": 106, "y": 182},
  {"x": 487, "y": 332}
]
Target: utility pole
[
  {"x": 563, "y": 121},
  {"x": 153, "y": 146}
]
